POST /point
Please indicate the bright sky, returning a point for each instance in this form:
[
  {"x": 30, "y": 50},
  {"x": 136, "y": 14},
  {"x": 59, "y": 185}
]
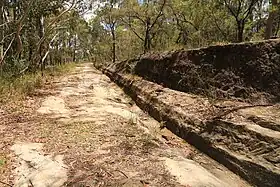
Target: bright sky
[{"x": 88, "y": 15}]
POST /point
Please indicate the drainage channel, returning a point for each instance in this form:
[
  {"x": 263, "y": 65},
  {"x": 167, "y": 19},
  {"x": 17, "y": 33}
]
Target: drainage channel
[{"x": 215, "y": 138}]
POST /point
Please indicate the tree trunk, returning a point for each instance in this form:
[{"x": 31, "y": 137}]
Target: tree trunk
[
  {"x": 240, "y": 30},
  {"x": 277, "y": 29},
  {"x": 30, "y": 53},
  {"x": 147, "y": 42},
  {"x": 41, "y": 33},
  {"x": 270, "y": 20},
  {"x": 74, "y": 49},
  {"x": 114, "y": 43},
  {"x": 1, "y": 30},
  {"x": 113, "y": 31}
]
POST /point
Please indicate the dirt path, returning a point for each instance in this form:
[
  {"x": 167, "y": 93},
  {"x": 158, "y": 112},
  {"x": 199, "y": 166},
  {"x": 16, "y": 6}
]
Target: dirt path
[{"x": 87, "y": 132}]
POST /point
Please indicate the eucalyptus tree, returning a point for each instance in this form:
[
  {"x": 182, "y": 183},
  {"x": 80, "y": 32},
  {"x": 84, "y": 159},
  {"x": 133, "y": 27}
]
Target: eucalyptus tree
[
  {"x": 241, "y": 10},
  {"x": 109, "y": 17},
  {"x": 144, "y": 19},
  {"x": 28, "y": 29},
  {"x": 1, "y": 30},
  {"x": 273, "y": 10}
]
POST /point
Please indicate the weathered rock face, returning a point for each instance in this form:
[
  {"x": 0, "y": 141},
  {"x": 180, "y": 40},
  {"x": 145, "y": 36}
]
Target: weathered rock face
[
  {"x": 246, "y": 148},
  {"x": 243, "y": 137},
  {"x": 236, "y": 70}
]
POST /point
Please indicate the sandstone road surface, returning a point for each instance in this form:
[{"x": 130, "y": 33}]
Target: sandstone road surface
[{"x": 84, "y": 131}]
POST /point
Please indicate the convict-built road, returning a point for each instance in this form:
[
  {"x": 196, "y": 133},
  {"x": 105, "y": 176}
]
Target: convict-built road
[{"x": 86, "y": 132}]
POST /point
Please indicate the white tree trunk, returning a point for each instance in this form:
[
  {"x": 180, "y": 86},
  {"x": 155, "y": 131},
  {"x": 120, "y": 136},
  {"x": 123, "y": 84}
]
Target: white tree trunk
[
  {"x": 1, "y": 30},
  {"x": 270, "y": 19}
]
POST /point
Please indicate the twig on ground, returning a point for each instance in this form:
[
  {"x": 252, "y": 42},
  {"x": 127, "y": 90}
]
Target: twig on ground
[
  {"x": 6, "y": 184},
  {"x": 31, "y": 183},
  {"x": 108, "y": 173},
  {"x": 122, "y": 173}
]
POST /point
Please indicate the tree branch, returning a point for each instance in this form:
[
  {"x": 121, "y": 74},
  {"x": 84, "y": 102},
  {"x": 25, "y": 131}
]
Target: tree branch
[
  {"x": 20, "y": 25},
  {"x": 131, "y": 28},
  {"x": 159, "y": 15},
  {"x": 5, "y": 53},
  {"x": 50, "y": 24},
  {"x": 250, "y": 8},
  {"x": 231, "y": 11}
]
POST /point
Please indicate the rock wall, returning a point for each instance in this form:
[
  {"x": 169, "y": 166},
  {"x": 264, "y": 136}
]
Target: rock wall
[
  {"x": 247, "y": 70},
  {"x": 246, "y": 140},
  {"x": 244, "y": 147}
]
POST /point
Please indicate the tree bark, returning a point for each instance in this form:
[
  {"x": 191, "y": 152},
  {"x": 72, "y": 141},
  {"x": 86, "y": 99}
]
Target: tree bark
[
  {"x": 147, "y": 42},
  {"x": 41, "y": 33},
  {"x": 114, "y": 42},
  {"x": 270, "y": 20},
  {"x": 74, "y": 48},
  {"x": 240, "y": 30},
  {"x": 1, "y": 30},
  {"x": 112, "y": 23}
]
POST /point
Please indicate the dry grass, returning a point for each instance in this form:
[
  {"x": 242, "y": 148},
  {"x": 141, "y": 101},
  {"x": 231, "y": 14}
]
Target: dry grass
[
  {"x": 17, "y": 88},
  {"x": 2, "y": 162}
]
